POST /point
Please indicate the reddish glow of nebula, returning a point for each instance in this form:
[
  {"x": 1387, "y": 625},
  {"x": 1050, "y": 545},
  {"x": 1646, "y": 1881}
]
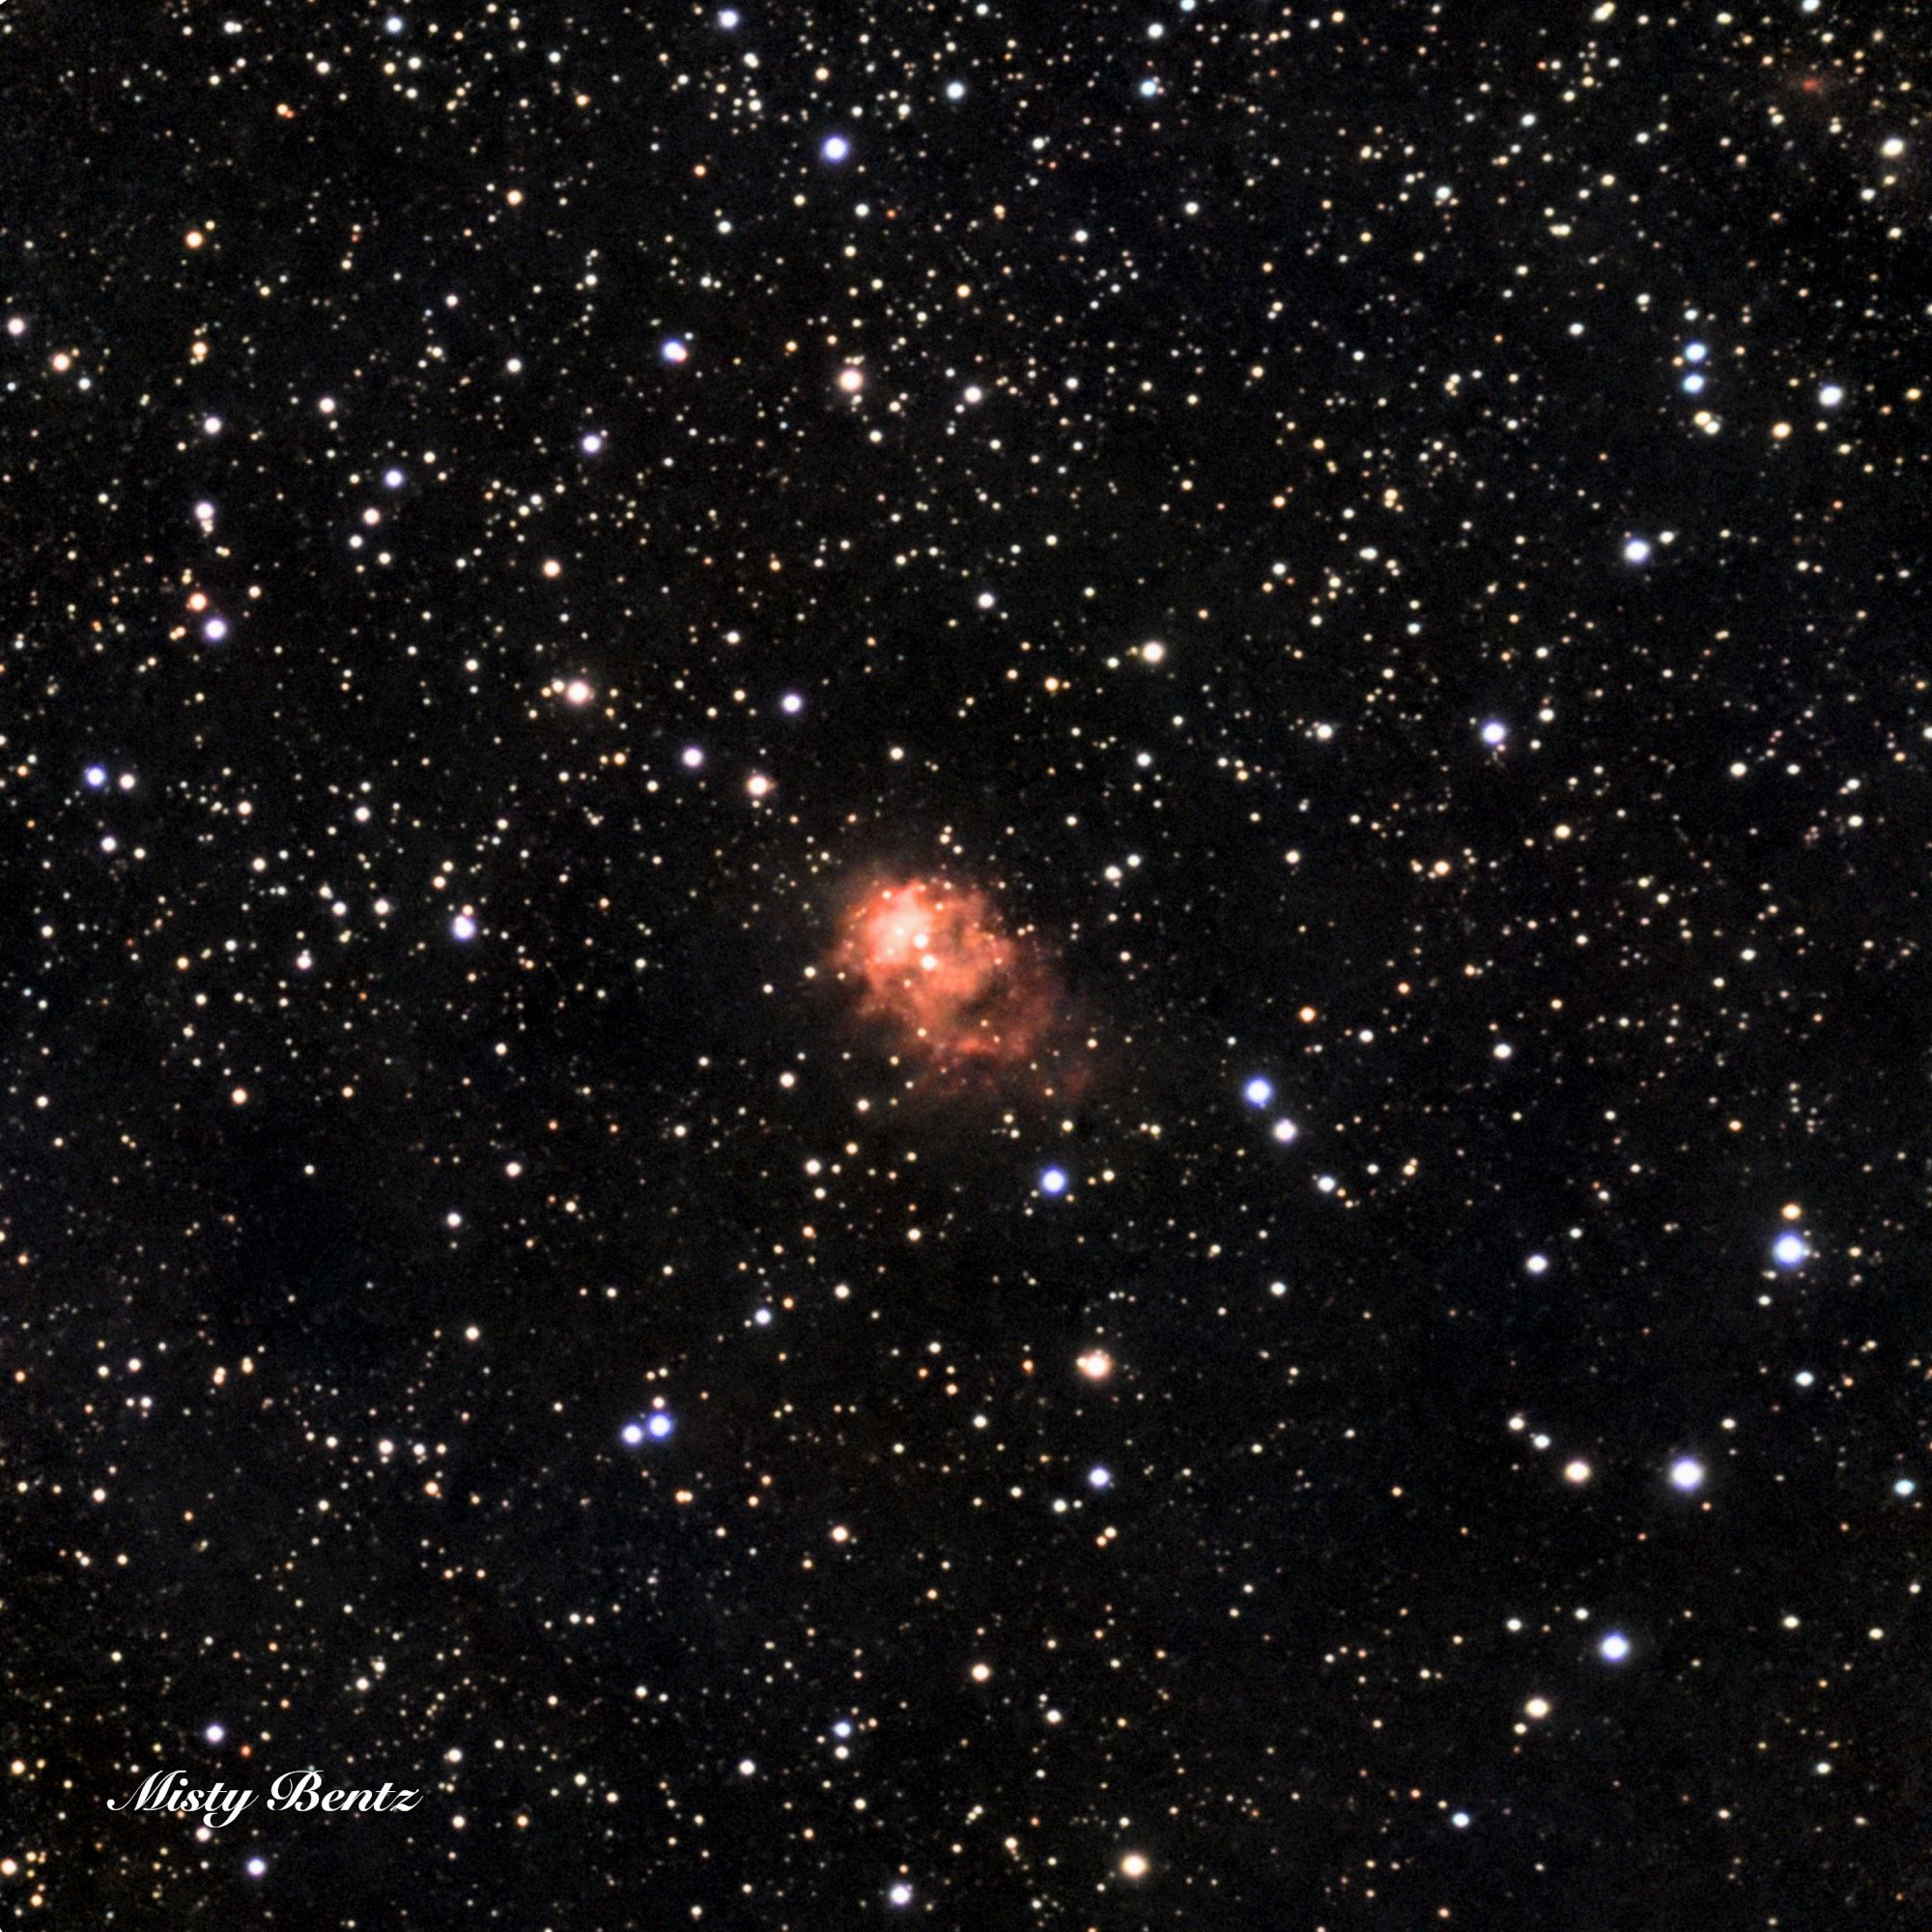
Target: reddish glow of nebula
[{"x": 938, "y": 970}]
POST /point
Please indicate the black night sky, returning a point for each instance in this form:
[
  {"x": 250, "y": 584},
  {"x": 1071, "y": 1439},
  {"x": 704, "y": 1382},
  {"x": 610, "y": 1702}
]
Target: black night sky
[{"x": 965, "y": 966}]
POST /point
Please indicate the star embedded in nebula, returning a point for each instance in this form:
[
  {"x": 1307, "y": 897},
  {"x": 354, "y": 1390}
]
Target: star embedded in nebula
[{"x": 937, "y": 968}]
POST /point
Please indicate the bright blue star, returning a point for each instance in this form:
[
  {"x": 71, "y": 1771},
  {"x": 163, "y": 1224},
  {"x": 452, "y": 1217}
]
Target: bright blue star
[
  {"x": 1789, "y": 1250},
  {"x": 1258, "y": 1093},
  {"x": 1053, "y": 1181}
]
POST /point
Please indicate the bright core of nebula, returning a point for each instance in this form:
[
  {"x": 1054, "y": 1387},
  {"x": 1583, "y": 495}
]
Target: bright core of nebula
[{"x": 936, "y": 967}]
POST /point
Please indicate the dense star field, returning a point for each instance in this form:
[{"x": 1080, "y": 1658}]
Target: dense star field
[{"x": 966, "y": 966}]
